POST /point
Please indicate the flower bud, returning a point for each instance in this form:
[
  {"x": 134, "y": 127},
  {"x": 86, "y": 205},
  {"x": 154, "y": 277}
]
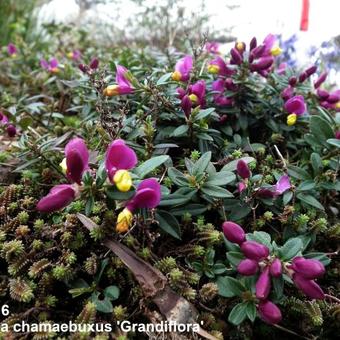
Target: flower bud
[
  {"x": 333, "y": 98},
  {"x": 276, "y": 268},
  {"x": 186, "y": 105},
  {"x": 252, "y": 44},
  {"x": 83, "y": 68},
  {"x": 311, "y": 70},
  {"x": 287, "y": 93},
  {"x": 262, "y": 64},
  {"x": 263, "y": 284},
  {"x": 254, "y": 251},
  {"x": 11, "y": 130},
  {"x": 236, "y": 57},
  {"x": 308, "y": 268},
  {"x": 322, "y": 94},
  {"x": 269, "y": 312},
  {"x": 247, "y": 267},
  {"x": 302, "y": 77},
  {"x": 292, "y": 81},
  {"x": 233, "y": 232},
  {"x": 257, "y": 52},
  {"x": 243, "y": 169},
  {"x": 320, "y": 80},
  {"x": 223, "y": 119},
  {"x": 308, "y": 287},
  {"x": 337, "y": 134},
  {"x": 94, "y": 63}
]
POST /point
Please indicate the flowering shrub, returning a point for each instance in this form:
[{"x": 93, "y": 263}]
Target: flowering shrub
[{"x": 218, "y": 173}]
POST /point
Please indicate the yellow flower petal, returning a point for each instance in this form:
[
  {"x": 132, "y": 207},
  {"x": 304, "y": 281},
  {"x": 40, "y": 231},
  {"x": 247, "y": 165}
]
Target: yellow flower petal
[
  {"x": 63, "y": 166},
  {"x": 213, "y": 69},
  {"x": 291, "y": 119},
  {"x": 111, "y": 90},
  {"x": 123, "y": 180},
  {"x": 124, "y": 221},
  {"x": 176, "y": 76}
]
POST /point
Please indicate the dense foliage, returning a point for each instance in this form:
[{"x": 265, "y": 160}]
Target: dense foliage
[{"x": 221, "y": 172}]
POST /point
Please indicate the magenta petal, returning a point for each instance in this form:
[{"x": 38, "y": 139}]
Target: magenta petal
[
  {"x": 269, "y": 312},
  {"x": 295, "y": 105},
  {"x": 184, "y": 66},
  {"x": 308, "y": 268},
  {"x": 282, "y": 185},
  {"x": 308, "y": 287},
  {"x": 148, "y": 195},
  {"x": 53, "y": 63},
  {"x": 247, "y": 267},
  {"x": 186, "y": 105},
  {"x": 3, "y": 119},
  {"x": 233, "y": 232},
  {"x": 218, "y": 85},
  {"x": 119, "y": 157},
  {"x": 79, "y": 145},
  {"x": 269, "y": 42},
  {"x": 59, "y": 197},
  {"x": 11, "y": 49},
  {"x": 263, "y": 285},
  {"x": 44, "y": 64},
  {"x": 243, "y": 169},
  {"x": 254, "y": 250},
  {"x": 199, "y": 89},
  {"x": 276, "y": 268}
]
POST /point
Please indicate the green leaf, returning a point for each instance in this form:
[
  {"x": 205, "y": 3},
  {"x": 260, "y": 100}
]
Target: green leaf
[
  {"x": 201, "y": 165},
  {"x": 215, "y": 191},
  {"x": 251, "y": 311},
  {"x": 306, "y": 186},
  {"x": 102, "y": 305},
  {"x": 89, "y": 206},
  {"x": 192, "y": 209},
  {"x": 278, "y": 285},
  {"x": 168, "y": 223},
  {"x": 221, "y": 178},
  {"x": 177, "y": 177},
  {"x": 310, "y": 200},
  {"x": 235, "y": 257},
  {"x": 320, "y": 128},
  {"x": 316, "y": 161},
  {"x": 150, "y": 165},
  {"x": 298, "y": 173},
  {"x": 238, "y": 314},
  {"x": 333, "y": 141},
  {"x": 113, "y": 193},
  {"x": 163, "y": 79},
  {"x": 231, "y": 166},
  {"x": 290, "y": 249},
  {"x": 229, "y": 287},
  {"x": 204, "y": 113},
  {"x": 112, "y": 292},
  {"x": 287, "y": 196},
  {"x": 180, "y": 131}
]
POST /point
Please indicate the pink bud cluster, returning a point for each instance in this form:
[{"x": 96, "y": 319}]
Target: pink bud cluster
[{"x": 258, "y": 260}]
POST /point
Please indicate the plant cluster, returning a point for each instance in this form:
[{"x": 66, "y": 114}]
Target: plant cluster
[{"x": 218, "y": 174}]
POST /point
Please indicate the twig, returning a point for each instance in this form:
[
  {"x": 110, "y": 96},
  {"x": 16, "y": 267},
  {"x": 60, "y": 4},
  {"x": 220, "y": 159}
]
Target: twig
[{"x": 281, "y": 157}]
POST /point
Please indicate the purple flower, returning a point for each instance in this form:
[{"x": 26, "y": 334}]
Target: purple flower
[
  {"x": 334, "y": 97},
  {"x": 118, "y": 159},
  {"x": 247, "y": 267},
  {"x": 148, "y": 195},
  {"x": 182, "y": 69},
  {"x": 276, "y": 268},
  {"x": 11, "y": 130},
  {"x": 254, "y": 250},
  {"x": 50, "y": 66},
  {"x": 295, "y": 105},
  {"x": 77, "y": 159},
  {"x": 292, "y": 81},
  {"x": 219, "y": 87},
  {"x": 337, "y": 134},
  {"x": 302, "y": 77},
  {"x": 311, "y": 70},
  {"x": 243, "y": 169},
  {"x": 263, "y": 284},
  {"x": 233, "y": 232},
  {"x": 75, "y": 55},
  {"x": 241, "y": 187},
  {"x": 194, "y": 96},
  {"x": 252, "y": 44},
  {"x": 11, "y": 49},
  {"x": 281, "y": 186},
  {"x": 219, "y": 66},
  {"x": 308, "y": 287},
  {"x": 320, "y": 80},
  {"x": 3, "y": 119},
  {"x": 269, "y": 312},
  {"x": 308, "y": 268},
  {"x": 58, "y": 198},
  {"x": 123, "y": 85}
]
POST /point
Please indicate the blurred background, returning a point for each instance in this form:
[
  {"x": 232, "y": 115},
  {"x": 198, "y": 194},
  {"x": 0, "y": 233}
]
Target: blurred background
[{"x": 308, "y": 29}]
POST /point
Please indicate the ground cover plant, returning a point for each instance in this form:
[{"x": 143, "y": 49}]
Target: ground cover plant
[{"x": 131, "y": 176}]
